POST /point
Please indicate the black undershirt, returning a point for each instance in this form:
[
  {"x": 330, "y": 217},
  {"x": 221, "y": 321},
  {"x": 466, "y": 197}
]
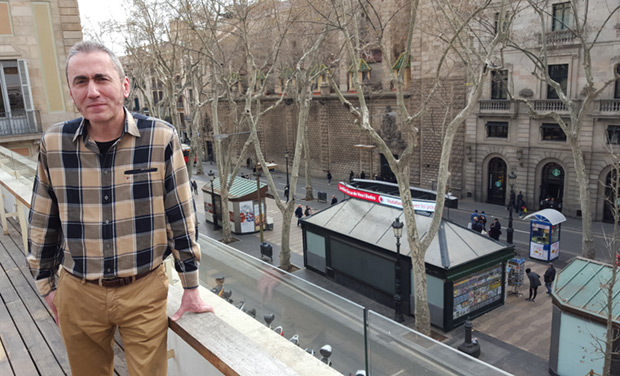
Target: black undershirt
[{"x": 105, "y": 146}]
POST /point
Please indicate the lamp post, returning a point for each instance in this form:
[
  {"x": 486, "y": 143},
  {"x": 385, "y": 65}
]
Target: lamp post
[
  {"x": 212, "y": 178},
  {"x": 509, "y": 231},
  {"x": 287, "y": 181},
  {"x": 397, "y": 226}
]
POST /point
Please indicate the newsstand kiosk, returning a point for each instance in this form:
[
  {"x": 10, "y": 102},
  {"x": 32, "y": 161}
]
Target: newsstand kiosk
[{"x": 545, "y": 234}]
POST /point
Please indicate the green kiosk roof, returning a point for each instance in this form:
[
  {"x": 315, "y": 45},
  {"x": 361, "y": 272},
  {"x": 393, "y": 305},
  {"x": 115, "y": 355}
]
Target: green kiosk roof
[
  {"x": 453, "y": 246},
  {"x": 241, "y": 188},
  {"x": 581, "y": 286}
]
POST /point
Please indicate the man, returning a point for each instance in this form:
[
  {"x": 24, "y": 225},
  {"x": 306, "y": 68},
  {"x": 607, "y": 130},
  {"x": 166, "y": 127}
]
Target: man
[
  {"x": 299, "y": 212},
  {"x": 534, "y": 283},
  {"x": 111, "y": 200},
  {"x": 520, "y": 203},
  {"x": 329, "y": 177},
  {"x": 334, "y": 200},
  {"x": 549, "y": 277},
  {"x": 286, "y": 192},
  {"x": 495, "y": 230}
]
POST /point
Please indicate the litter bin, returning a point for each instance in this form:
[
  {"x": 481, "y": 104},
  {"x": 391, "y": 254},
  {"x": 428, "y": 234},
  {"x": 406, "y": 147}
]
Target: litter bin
[
  {"x": 322, "y": 196},
  {"x": 266, "y": 250},
  {"x": 269, "y": 224}
]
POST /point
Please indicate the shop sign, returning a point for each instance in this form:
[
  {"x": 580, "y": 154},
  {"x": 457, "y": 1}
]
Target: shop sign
[{"x": 428, "y": 206}]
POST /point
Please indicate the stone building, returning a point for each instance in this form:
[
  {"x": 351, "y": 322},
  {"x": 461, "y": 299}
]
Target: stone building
[
  {"x": 503, "y": 136},
  {"x": 34, "y": 40}
]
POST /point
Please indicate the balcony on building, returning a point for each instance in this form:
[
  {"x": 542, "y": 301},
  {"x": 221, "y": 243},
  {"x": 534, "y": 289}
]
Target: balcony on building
[
  {"x": 551, "y": 105},
  {"x": 607, "y": 108},
  {"x": 19, "y": 122},
  {"x": 498, "y": 107}
]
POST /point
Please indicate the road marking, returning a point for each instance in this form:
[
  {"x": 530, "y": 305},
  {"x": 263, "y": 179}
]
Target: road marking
[{"x": 399, "y": 372}]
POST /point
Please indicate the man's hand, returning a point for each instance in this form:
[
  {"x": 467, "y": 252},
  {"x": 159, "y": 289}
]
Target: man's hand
[
  {"x": 49, "y": 299},
  {"x": 191, "y": 302}
]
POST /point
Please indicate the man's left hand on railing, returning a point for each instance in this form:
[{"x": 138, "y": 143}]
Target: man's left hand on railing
[{"x": 191, "y": 302}]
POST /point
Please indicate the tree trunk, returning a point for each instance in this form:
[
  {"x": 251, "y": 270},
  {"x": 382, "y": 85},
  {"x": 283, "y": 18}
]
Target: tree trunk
[{"x": 587, "y": 238}]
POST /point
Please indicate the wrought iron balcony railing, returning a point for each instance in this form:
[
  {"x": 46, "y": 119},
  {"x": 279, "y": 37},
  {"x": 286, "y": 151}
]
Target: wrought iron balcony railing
[{"x": 19, "y": 122}]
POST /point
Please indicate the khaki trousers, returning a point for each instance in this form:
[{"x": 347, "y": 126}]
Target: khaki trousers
[{"x": 88, "y": 316}]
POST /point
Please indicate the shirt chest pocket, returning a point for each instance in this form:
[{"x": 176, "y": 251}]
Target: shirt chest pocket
[{"x": 140, "y": 176}]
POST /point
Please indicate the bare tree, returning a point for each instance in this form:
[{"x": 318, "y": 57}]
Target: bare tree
[
  {"x": 585, "y": 31},
  {"x": 462, "y": 44}
]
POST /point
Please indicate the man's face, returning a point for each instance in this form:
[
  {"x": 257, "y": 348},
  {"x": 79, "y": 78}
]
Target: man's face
[{"x": 96, "y": 88}]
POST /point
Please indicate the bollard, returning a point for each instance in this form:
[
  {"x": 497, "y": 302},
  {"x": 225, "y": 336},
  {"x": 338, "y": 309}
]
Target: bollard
[{"x": 469, "y": 347}]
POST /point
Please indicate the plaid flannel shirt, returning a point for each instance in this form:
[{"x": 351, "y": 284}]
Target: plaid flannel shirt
[{"x": 112, "y": 215}]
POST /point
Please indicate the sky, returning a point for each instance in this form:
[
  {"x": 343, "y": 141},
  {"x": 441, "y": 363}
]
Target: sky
[{"x": 95, "y": 12}]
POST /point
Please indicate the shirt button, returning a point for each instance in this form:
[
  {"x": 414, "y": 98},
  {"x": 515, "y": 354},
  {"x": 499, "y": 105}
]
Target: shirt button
[
  {"x": 108, "y": 246},
  {"x": 106, "y": 197},
  {"x": 107, "y": 221},
  {"x": 108, "y": 270}
]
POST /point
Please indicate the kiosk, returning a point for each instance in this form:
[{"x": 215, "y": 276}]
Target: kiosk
[{"x": 545, "y": 234}]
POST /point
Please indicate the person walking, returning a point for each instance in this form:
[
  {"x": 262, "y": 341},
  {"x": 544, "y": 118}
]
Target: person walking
[
  {"x": 495, "y": 230},
  {"x": 96, "y": 243},
  {"x": 549, "y": 277},
  {"x": 534, "y": 283},
  {"x": 195, "y": 187},
  {"x": 308, "y": 211},
  {"x": 299, "y": 212},
  {"x": 286, "y": 192},
  {"x": 329, "y": 177}
]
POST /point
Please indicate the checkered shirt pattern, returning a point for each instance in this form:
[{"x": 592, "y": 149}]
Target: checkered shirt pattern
[{"x": 112, "y": 215}]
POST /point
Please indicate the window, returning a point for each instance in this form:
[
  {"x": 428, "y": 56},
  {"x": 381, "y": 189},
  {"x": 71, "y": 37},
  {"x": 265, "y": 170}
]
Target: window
[
  {"x": 552, "y": 132},
  {"x": 497, "y": 129},
  {"x": 15, "y": 94},
  {"x": 617, "y": 87},
  {"x": 157, "y": 96},
  {"x": 613, "y": 134},
  {"x": 561, "y": 16},
  {"x": 559, "y": 74},
  {"x": 499, "y": 84}
]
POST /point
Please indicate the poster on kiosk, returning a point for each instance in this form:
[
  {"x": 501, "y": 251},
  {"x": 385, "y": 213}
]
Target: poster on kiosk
[{"x": 545, "y": 234}]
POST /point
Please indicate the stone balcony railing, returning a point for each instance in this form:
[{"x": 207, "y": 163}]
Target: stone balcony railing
[
  {"x": 549, "y": 105},
  {"x": 498, "y": 107},
  {"x": 232, "y": 342}
]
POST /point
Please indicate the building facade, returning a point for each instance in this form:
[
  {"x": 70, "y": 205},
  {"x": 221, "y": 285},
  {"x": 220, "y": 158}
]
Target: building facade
[
  {"x": 513, "y": 129},
  {"x": 34, "y": 40}
]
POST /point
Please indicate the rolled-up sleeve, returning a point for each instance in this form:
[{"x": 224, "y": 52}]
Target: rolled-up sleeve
[
  {"x": 44, "y": 230},
  {"x": 181, "y": 216}
]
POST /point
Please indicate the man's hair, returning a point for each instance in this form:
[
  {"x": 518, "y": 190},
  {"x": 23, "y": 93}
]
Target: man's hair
[
  {"x": 89, "y": 46},
  {"x": 528, "y": 270}
]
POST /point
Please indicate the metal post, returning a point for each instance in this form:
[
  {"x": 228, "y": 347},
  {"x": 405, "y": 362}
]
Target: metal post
[
  {"x": 510, "y": 231},
  {"x": 287, "y": 181},
  {"x": 260, "y": 206},
  {"x": 398, "y": 314},
  {"x": 214, "y": 207}
]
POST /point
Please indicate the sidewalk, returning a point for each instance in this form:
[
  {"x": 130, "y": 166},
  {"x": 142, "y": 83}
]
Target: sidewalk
[{"x": 514, "y": 337}]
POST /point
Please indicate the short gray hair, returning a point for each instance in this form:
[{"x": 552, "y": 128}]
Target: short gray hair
[{"x": 88, "y": 46}]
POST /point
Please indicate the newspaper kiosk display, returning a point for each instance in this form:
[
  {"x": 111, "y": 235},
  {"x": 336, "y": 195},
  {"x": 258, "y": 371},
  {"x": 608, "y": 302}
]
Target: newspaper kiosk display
[{"x": 545, "y": 234}]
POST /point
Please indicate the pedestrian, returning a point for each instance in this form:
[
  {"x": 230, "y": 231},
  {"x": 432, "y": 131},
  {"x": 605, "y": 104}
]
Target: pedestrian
[
  {"x": 474, "y": 215},
  {"x": 286, "y": 192},
  {"x": 520, "y": 203},
  {"x": 476, "y": 225},
  {"x": 549, "y": 277},
  {"x": 495, "y": 230},
  {"x": 334, "y": 200},
  {"x": 351, "y": 176},
  {"x": 308, "y": 211},
  {"x": 299, "y": 212},
  {"x": 112, "y": 274},
  {"x": 512, "y": 202},
  {"x": 363, "y": 175},
  {"x": 329, "y": 177},
  {"x": 534, "y": 283},
  {"x": 483, "y": 220},
  {"x": 195, "y": 187}
]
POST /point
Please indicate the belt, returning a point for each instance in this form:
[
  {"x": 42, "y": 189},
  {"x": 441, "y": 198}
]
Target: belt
[{"x": 114, "y": 282}]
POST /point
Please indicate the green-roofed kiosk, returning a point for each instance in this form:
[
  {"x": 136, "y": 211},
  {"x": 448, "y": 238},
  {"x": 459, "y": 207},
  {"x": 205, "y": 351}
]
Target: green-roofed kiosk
[
  {"x": 242, "y": 204},
  {"x": 353, "y": 243}
]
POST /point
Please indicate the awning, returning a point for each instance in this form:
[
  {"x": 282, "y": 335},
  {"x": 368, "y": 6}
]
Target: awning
[{"x": 551, "y": 216}]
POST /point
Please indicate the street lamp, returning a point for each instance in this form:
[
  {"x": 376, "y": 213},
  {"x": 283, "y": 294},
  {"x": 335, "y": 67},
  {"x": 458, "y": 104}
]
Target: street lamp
[
  {"x": 287, "y": 182},
  {"x": 397, "y": 226},
  {"x": 212, "y": 178},
  {"x": 511, "y": 204}
]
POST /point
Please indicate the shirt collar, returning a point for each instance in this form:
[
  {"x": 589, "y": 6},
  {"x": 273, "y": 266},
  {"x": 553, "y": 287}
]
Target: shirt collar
[{"x": 130, "y": 126}]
